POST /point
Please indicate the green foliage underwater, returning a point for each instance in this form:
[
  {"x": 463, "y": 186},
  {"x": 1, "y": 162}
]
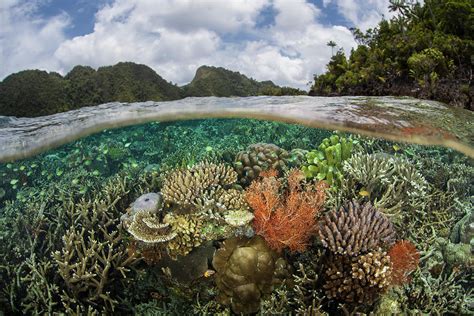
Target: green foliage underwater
[{"x": 391, "y": 225}]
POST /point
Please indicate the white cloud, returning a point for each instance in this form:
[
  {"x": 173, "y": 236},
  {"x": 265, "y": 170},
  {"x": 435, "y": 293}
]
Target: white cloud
[
  {"x": 176, "y": 37},
  {"x": 26, "y": 40},
  {"x": 364, "y": 14}
]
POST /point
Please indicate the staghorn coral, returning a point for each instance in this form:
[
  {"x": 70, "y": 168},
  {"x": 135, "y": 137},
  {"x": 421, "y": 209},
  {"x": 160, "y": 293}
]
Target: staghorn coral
[
  {"x": 358, "y": 279},
  {"x": 288, "y": 219},
  {"x": 86, "y": 266},
  {"x": 404, "y": 258},
  {"x": 393, "y": 183},
  {"x": 259, "y": 157},
  {"x": 186, "y": 186},
  {"x": 355, "y": 229},
  {"x": 247, "y": 270},
  {"x": 35, "y": 285}
]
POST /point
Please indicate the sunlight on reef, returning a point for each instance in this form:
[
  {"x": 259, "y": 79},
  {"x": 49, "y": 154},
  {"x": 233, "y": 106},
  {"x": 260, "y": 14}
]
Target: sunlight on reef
[{"x": 399, "y": 119}]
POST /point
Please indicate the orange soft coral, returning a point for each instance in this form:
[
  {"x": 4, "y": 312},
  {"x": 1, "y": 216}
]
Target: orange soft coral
[
  {"x": 285, "y": 219},
  {"x": 404, "y": 258}
]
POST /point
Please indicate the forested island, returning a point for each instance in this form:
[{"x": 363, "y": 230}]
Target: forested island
[
  {"x": 425, "y": 51},
  {"x": 33, "y": 93}
]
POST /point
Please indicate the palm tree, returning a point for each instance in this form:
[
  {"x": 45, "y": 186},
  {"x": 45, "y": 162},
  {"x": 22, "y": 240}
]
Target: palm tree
[
  {"x": 400, "y": 6},
  {"x": 331, "y": 44}
]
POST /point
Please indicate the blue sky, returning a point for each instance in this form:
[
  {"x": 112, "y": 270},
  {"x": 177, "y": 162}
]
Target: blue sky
[{"x": 279, "y": 40}]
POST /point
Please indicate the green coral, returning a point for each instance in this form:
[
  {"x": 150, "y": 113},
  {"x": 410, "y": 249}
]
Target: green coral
[{"x": 325, "y": 162}]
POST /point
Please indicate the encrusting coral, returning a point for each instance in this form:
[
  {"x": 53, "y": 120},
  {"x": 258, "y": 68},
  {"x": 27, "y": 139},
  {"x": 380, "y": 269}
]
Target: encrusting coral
[
  {"x": 247, "y": 270},
  {"x": 285, "y": 219},
  {"x": 257, "y": 158},
  {"x": 355, "y": 229}
]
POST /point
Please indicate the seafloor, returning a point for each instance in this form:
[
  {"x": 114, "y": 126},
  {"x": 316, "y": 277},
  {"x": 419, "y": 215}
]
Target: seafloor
[{"x": 247, "y": 217}]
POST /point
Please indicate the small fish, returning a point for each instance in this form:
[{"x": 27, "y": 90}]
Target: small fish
[
  {"x": 396, "y": 148},
  {"x": 209, "y": 273},
  {"x": 364, "y": 192}
]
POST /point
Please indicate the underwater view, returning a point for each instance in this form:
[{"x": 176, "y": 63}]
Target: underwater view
[{"x": 237, "y": 216}]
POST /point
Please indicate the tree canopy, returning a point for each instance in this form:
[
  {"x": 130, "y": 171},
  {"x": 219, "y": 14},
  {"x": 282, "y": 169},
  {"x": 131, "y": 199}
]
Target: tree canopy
[{"x": 425, "y": 51}]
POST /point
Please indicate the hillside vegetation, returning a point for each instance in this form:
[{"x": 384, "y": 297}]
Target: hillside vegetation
[
  {"x": 220, "y": 82},
  {"x": 33, "y": 93},
  {"x": 426, "y": 51}
]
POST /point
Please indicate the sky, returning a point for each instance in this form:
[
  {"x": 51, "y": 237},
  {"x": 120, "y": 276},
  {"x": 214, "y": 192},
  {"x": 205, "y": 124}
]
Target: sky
[{"x": 279, "y": 40}]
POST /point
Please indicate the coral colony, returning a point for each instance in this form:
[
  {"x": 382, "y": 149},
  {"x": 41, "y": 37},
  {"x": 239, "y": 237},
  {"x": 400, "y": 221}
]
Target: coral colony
[{"x": 343, "y": 224}]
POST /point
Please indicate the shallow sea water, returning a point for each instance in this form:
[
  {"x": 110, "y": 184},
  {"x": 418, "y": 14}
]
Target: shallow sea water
[{"x": 248, "y": 216}]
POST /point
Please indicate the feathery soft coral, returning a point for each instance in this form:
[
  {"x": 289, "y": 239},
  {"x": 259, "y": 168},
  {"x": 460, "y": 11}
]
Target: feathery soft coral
[
  {"x": 404, "y": 258},
  {"x": 285, "y": 219}
]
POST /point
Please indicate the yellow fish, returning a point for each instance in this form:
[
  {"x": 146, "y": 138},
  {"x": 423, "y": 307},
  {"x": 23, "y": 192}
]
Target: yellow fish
[
  {"x": 209, "y": 273},
  {"x": 364, "y": 192}
]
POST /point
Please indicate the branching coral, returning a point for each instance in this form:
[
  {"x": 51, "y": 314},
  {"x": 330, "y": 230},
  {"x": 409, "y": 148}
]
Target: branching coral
[
  {"x": 257, "y": 158},
  {"x": 246, "y": 271},
  {"x": 392, "y": 183},
  {"x": 186, "y": 186},
  {"x": 288, "y": 219},
  {"x": 355, "y": 229},
  {"x": 404, "y": 258}
]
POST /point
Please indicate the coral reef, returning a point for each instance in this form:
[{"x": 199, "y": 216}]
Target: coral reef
[
  {"x": 355, "y": 229},
  {"x": 325, "y": 163},
  {"x": 259, "y": 157},
  {"x": 200, "y": 205},
  {"x": 247, "y": 270},
  {"x": 359, "y": 279},
  {"x": 285, "y": 220}
]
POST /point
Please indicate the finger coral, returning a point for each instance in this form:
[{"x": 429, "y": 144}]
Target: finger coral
[
  {"x": 355, "y": 229},
  {"x": 246, "y": 269},
  {"x": 405, "y": 259},
  {"x": 358, "y": 279},
  {"x": 285, "y": 219},
  {"x": 259, "y": 157}
]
